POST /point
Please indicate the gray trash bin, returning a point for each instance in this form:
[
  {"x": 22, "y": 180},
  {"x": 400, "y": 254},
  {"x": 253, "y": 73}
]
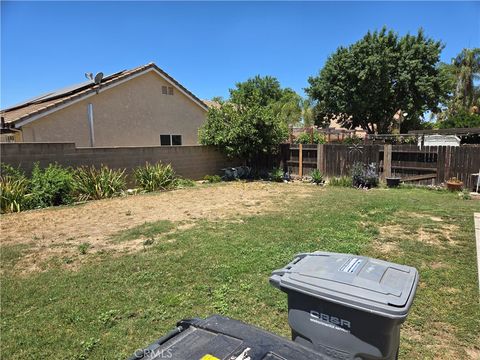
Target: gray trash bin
[{"x": 347, "y": 306}]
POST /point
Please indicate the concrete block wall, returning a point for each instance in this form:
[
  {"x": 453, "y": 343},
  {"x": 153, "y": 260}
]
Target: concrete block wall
[{"x": 192, "y": 162}]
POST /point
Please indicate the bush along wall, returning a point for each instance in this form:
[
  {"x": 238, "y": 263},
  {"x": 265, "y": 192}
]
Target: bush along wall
[{"x": 57, "y": 185}]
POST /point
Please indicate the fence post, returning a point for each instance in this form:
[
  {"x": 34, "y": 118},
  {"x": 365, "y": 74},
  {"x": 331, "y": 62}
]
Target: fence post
[
  {"x": 448, "y": 160},
  {"x": 284, "y": 156},
  {"x": 321, "y": 158},
  {"x": 387, "y": 160},
  {"x": 300, "y": 160}
]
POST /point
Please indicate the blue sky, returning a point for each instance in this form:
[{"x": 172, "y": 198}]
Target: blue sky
[{"x": 207, "y": 46}]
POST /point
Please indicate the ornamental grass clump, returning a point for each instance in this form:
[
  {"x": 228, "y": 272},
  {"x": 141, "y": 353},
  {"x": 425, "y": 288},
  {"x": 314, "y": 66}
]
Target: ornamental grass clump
[
  {"x": 343, "y": 181},
  {"x": 155, "y": 177},
  {"x": 317, "y": 177},
  {"x": 93, "y": 184},
  {"x": 14, "y": 193}
]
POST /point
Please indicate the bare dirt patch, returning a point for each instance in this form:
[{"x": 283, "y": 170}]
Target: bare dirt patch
[
  {"x": 385, "y": 248},
  {"x": 474, "y": 353},
  {"x": 57, "y": 232},
  {"x": 404, "y": 214},
  {"x": 437, "y": 265}
]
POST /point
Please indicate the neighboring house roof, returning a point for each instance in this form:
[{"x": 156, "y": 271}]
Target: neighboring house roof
[
  {"x": 211, "y": 103},
  {"x": 40, "y": 106},
  {"x": 334, "y": 124}
]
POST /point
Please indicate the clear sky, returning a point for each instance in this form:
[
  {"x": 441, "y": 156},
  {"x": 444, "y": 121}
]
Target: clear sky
[{"x": 207, "y": 46}]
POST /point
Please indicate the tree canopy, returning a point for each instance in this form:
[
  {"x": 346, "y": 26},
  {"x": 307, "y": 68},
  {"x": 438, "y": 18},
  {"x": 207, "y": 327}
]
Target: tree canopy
[
  {"x": 254, "y": 120},
  {"x": 461, "y": 119},
  {"x": 267, "y": 91},
  {"x": 466, "y": 69},
  {"x": 462, "y": 108},
  {"x": 367, "y": 83}
]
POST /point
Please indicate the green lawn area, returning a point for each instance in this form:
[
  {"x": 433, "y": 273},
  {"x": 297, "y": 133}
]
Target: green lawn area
[{"x": 110, "y": 306}]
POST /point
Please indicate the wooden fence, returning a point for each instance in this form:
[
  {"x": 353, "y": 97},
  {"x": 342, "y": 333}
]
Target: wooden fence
[{"x": 427, "y": 165}]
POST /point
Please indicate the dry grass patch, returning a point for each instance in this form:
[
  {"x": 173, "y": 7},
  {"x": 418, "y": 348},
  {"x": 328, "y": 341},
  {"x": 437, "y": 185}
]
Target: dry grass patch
[
  {"x": 385, "y": 248},
  {"x": 439, "y": 343},
  {"x": 424, "y": 228},
  {"x": 56, "y": 233},
  {"x": 436, "y": 265},
  {"x": 474, "y": 353}
]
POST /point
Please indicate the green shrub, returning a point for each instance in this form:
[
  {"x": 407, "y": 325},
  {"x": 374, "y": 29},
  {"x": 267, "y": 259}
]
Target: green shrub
[
  {"x": 51, "y": 186},
  {"x": 184, "y": 183},
  {"x": 276, "y": 175},
  {"x": 344, "y": 181},
  {"x": 465, "y": 195},
  {"x": 92, "y": 183},
  {"x": 408, "y": 140},
  {"x": 317, "y": 177},
  {"x": 212, "y": 178},
  {"x": 9, "y": 170},
  {"x": 306, "y": 138},
  {"x": 14, "y": 193},
  {"x": 155, "y": 177},
  {"x": 351, "y": 140}
]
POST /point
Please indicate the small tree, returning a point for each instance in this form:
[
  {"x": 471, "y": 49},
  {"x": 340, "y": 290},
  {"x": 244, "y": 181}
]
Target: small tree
[
  {"x": 253, "y": 121},
  {"x": 243, "y": 131}
]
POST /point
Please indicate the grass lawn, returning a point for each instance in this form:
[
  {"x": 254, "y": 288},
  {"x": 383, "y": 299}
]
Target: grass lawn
[{"x": 111, "y": 305}]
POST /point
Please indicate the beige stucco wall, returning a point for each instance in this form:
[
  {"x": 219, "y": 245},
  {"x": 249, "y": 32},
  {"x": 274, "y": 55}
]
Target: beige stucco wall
[{"x": 133, "y": 113}]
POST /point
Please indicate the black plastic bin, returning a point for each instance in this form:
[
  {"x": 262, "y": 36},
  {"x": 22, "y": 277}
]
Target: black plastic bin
[
  {"x": 347, "y": 306},
  {"x": 222, "y": 338}
]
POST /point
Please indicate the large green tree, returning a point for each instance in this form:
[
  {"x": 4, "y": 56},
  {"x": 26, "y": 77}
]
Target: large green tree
[
  {"x": 254, "y": 120},
  {"x": 366, "y": 83}
]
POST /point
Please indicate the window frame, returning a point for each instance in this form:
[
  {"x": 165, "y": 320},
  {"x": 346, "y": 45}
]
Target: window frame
[
  {"x": 177, "y": 137},
  {"x": 171, "y": 142},
  {"x": 169, "y": 139}
]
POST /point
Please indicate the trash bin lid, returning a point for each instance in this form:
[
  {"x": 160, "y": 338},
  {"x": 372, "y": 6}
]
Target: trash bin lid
[{"x": 356, "y": 281}]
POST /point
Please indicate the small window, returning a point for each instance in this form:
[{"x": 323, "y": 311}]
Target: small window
[
  {"x": 165, "y": 140},
  {"x": 164, "y": 90},
  {"x": 170, "y": 90},
  {"x": 176, "y": 139}
]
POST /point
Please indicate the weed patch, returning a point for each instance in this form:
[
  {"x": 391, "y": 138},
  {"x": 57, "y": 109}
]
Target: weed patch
[{"x": 147, "y": 230}]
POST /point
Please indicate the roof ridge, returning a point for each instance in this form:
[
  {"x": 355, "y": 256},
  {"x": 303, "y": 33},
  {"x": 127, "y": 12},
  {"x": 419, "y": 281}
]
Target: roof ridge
[{"x": 58, "y": 97}]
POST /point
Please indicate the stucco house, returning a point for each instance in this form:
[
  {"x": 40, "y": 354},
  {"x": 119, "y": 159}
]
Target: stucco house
[{"x": 140, "y": 107}]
